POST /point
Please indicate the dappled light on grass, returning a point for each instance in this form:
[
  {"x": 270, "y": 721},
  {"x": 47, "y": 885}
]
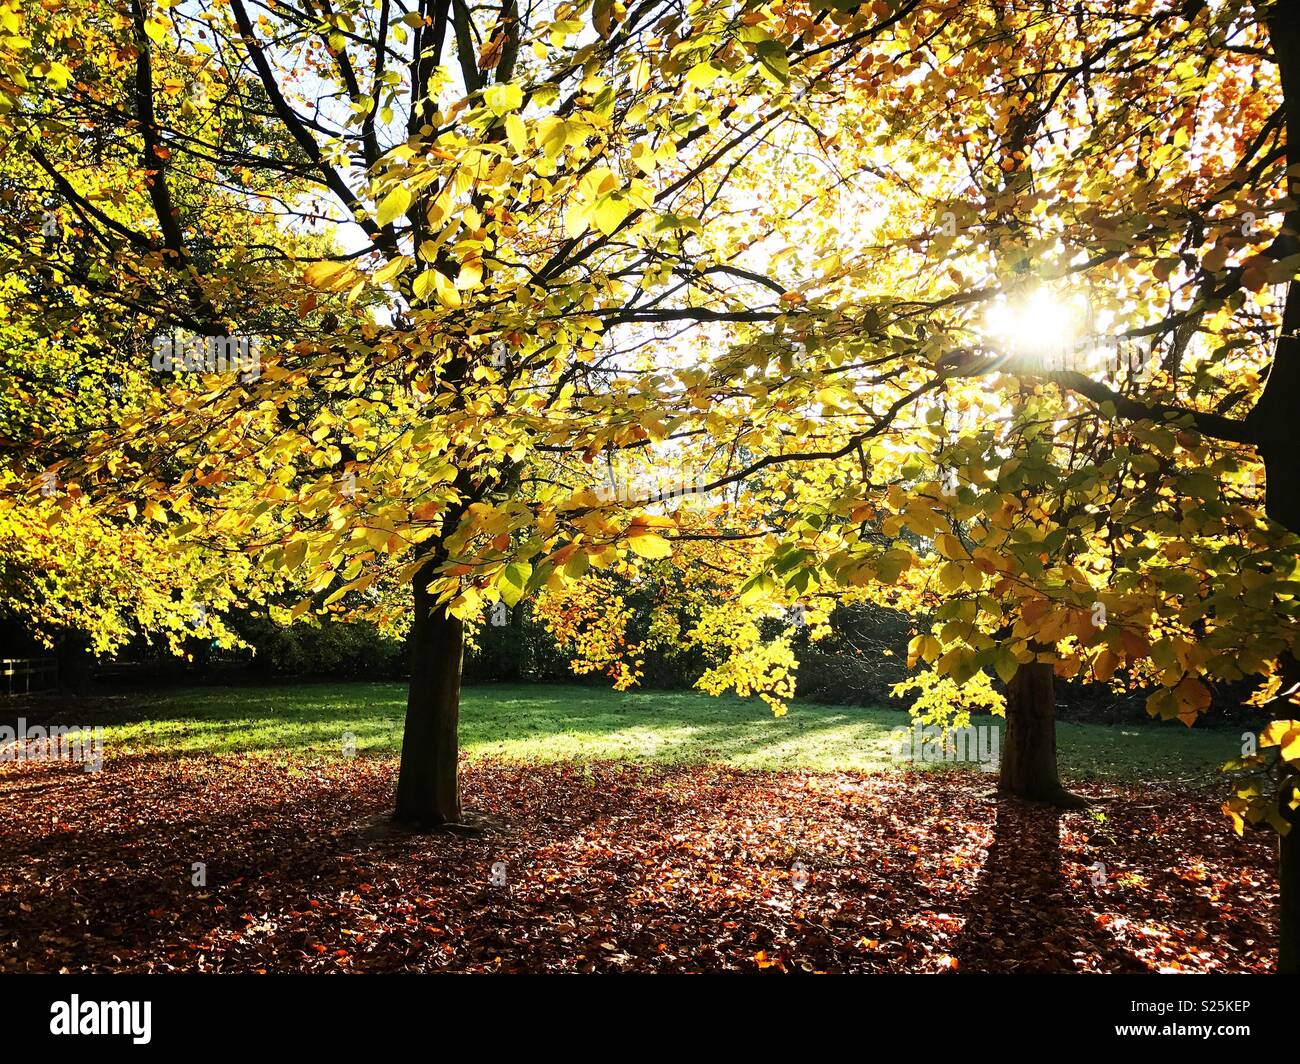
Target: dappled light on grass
[{"x": 559, "y": 723}]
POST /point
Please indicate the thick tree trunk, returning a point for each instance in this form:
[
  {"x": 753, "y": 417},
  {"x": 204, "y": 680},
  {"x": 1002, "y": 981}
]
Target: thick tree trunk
[
  {"x": 428, "y": 781},
  {"x": 72, "y": 653},
  {"x": 1288, "y": 874},
  {"x": 1029, "y": 744},
  {"x": 1273, "y": 421}
]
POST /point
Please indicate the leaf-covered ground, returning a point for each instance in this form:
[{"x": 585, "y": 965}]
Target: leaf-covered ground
[{"x": 612, "y": 867}]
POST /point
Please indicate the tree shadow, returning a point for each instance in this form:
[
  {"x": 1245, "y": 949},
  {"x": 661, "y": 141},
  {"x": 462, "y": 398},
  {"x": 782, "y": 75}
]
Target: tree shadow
[
  {"x": 1023, "y": 914},
  {"x": 608, "y": 868},
  {"x": 499, "y": 720}
]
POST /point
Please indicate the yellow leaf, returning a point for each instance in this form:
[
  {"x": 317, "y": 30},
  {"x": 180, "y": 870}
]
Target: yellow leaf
[
  {"x": 390, "y": 270},
  {"x": 949, "y": 546},
  {"x": 552, "y": 135},
  {"x": 650, "y": 545},
  {"x": 644, "y": 157},
  {"x": 503, "y": 98},
  {"x": 466, "y": 605},
  {"x": 58, "y": 75},
  {"x": 702, "y": 75},
  {"x": 334, "y": 276},
  {"x": 951, "y": 576},
  {"x": 516, "y": 133},
  {"x": 393, "y": 205},
  {"x": 1283, "y": 733},
  {"x": 575, "y": 220},
  {"x": 609, "y": 213},
  {"x": 432, "y": 282},
  {"x": 470, "y": 276}
]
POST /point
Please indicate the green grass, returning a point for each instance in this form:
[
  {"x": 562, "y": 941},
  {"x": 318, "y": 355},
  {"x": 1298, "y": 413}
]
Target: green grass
[{"x": 531, "y": 722}]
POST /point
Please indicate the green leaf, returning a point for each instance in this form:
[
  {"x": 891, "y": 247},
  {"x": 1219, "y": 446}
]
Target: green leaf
[
  {"x": 668, "y": 222},
  {"x": 773, "y": 60},
  {"x": 892, "y": 564},
  {"x": 514, "y": 578},
  {"x": 1005, "y": 664},
  {"x": 756, "y": 589}
]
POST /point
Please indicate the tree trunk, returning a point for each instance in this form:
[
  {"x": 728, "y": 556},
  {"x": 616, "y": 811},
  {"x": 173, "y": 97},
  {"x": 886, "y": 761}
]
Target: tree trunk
[
  {"x": 514, "y": 669},
  {"x": 1288, "y": 875},
  {"x": 1273, "y": 421},
  {"x": 1029, "y": 744},
  {"x": 72, "y": 654},
  {"x": 1282, "y": 484},
  {"x": 428, "y": 781}
]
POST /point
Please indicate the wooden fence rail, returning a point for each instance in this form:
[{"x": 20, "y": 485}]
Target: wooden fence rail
[{"x": 18, "y": 676}]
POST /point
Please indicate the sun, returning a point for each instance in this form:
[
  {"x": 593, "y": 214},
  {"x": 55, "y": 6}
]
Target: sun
[{"x": 1042, "y": 324}]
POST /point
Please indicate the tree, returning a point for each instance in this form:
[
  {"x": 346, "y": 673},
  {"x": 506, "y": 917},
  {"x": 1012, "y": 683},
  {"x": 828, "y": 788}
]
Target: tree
[
  {"x": 1154, "y": 183},
  {"x": 560, "y": 241},
  {"x": 78, "y": 580},
  {"x": 521, "y": 189},
  {"x": 1165, "y": 237}
]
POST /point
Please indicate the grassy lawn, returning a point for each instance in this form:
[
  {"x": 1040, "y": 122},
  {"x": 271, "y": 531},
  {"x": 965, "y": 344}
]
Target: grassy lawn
[{"x": 531, "y": 722}]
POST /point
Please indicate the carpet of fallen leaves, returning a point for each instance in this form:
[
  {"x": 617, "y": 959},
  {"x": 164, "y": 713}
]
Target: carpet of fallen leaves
[{"x": 612, "y": 867}]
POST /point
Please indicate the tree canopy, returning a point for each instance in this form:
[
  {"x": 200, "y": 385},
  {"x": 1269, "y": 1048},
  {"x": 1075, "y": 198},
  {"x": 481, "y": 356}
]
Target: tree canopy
[{"x": 398, "y": 309}]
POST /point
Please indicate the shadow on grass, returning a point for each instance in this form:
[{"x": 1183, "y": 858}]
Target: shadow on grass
[
  {"x": 506, "y": 722},
  {"x": 523, "y": 722}
]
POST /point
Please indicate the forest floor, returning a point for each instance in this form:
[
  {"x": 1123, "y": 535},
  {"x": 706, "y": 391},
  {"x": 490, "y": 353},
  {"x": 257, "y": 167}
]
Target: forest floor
[{"x": 286, "y": 862}]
